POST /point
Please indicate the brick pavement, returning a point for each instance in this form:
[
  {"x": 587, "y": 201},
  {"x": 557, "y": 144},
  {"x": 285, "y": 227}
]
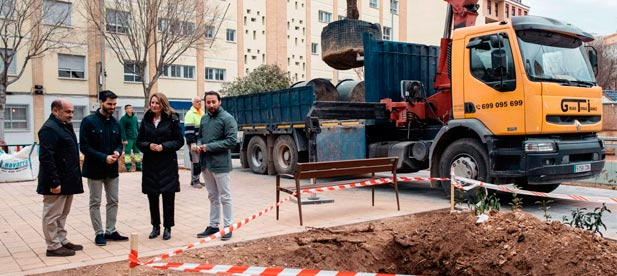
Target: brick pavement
[{"x": 22, "y": 246}]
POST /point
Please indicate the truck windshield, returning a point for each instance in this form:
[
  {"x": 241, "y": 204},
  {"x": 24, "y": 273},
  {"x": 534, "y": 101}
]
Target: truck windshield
[{"x": 555, "y": 57}]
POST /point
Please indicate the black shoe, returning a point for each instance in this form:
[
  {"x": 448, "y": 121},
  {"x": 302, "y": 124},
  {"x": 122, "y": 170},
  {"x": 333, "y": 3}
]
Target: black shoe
[
  {"x": 167, "y": 233},
  {"x": 72, "y": 246},
  {"x": 60, "y": 252},
  {"x": 226, "y": 237},
  {"x": 209, "y": 231},
  {"x": 156, "y": 231},
  {"x": 100, "y": 240},
  {"x": 115, "y": 236}
]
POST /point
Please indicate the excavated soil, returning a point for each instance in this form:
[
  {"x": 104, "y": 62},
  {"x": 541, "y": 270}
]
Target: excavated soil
[{"x": 434, "y": 243}]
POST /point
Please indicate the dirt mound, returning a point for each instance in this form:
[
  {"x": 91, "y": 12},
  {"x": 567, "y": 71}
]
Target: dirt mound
[{"x": 436, "y": 243}]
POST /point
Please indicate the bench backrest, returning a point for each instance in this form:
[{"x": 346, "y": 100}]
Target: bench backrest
[{"x": 345, "y": 167}]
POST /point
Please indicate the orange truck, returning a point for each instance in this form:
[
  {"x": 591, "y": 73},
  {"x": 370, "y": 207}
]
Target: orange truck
[{"x": 508, "y": 102}]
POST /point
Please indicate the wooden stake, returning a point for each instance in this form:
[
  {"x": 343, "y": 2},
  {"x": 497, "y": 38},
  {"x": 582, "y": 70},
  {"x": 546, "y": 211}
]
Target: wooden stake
[
  {"x": 451, "y": 190},
  {"x": 134, "y": 240}
]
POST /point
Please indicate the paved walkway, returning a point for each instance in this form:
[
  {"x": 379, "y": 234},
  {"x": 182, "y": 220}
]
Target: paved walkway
[{"x": 22, "y": 246}]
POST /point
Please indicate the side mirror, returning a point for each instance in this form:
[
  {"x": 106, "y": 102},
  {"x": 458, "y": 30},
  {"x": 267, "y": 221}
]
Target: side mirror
[
  {"x": 498, "y": 59},
  {"x": 592, "y": 53},
  {"x": 496, "y": 41}
]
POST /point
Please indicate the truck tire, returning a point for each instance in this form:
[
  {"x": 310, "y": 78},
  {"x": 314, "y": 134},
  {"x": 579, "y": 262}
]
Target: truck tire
[
  {"x": 257, "y": 155},
  {"x": 243, "y": 161},
  {"x": 285, "y": 154},
  {"x": 468, "y": 158},
  {"x": 543, "y": 188}
]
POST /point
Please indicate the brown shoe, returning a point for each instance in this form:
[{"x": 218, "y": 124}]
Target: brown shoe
[
  {"x": 72, "y": 246},
  {"x": 60, "y": 252}
]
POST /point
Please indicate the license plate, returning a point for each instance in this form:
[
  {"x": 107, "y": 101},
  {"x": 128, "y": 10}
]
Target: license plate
[{"x": 582, "y": 168}]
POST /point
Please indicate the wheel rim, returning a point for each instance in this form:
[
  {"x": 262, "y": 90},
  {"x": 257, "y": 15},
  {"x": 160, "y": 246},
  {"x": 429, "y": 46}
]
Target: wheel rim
[
  {"x": 257, "y": 157},
  {"x": 465, "y": 166},
  {"x": 284, "y": 156}
]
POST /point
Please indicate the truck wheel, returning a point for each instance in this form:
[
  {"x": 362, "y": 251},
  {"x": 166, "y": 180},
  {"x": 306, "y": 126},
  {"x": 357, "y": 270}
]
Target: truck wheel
[
  {"x": 285, "y": 154},
  {"x": 543, "y": 188},
  {"x": 257, "y": 155},
  {"x": 243, "y": 161},
  {"x": 468, "y": 158}
]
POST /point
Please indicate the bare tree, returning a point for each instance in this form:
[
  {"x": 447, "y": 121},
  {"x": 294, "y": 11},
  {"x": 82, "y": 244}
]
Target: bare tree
[
  {"x": 28, "y": 29},
  {"x": 136, "y": 30},
  {"x": 607, "y": 61}
]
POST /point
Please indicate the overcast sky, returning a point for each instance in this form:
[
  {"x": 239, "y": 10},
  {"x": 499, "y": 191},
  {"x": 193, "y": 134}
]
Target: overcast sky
[{"x": 593, "y": 16}]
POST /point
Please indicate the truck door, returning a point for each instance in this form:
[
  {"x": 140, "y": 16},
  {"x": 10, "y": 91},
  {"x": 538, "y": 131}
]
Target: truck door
[{"x": 492, "y": 93}]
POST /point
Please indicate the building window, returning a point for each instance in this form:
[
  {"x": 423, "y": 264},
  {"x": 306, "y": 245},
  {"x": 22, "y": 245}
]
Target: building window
[
  {"x": 231, "y": 35},
  {"x": 496, "y": 9},
  {"x": 175, "y": 26},
  {"x": 387, "y": 33},
  {"x": 131, "y": 72},
  {"x": 79, "y": 113},
  {"x": 394, "y": 6},
  {"x": 210, "y": 30},
  {"x": 325, "y": 17},
  {"x": 373, "y": 4},
  {"x": 488, "y": 7},
  {"x": 8, "y": 54},
  {"x": 179, "y": 71},
  {"x": 56, "y": 12},
  {"x": 16, "y": 117},
  {"x": 314, "y": 48},
  {"x": 71, "y": 66},
  {"x": 217, "y": 74},
  {"x": 513, "y": 11},
  {"x": 117, "y": 21},
  {"x": 507, "y": 11},
  {"x": 7, "y": 8}
]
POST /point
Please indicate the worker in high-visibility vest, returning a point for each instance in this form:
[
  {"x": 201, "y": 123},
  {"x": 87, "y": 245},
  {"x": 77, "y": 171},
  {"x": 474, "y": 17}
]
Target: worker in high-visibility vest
[{"x": 191, "y": 128}]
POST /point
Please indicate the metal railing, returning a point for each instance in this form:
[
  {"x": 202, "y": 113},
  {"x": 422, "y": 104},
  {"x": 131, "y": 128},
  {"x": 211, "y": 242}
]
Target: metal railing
[{"x": 13, "y": 148}]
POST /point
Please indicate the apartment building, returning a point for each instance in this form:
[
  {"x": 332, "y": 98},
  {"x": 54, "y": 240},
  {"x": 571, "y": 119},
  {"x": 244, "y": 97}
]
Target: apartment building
[
  {"x": 499, "y": 10},
  {"x": 251, "y": 33}
]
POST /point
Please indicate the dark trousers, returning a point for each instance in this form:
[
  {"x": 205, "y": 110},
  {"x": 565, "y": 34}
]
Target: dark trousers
[{"x": 168, "y": 209}]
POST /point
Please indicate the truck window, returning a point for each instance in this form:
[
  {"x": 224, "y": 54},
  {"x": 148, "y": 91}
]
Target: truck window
[{"x": 486, "y": 61}]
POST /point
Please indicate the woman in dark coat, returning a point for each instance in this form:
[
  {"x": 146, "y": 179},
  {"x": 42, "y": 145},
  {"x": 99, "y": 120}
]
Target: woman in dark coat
[{"x": 159, "y": 138}]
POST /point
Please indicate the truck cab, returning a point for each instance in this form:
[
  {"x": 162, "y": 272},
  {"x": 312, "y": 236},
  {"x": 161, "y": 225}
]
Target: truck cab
[{"x": 527, "y": 95}]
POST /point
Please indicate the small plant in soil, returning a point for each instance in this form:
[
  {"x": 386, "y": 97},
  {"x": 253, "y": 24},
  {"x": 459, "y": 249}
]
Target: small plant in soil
[
  {"x": 481, "y": 203},
  {"x": 517, "y": 202},
  {"x": 486, "y": 203},
  {"x": 544, "y": 207},
  {"x": 591, "y": 221}
]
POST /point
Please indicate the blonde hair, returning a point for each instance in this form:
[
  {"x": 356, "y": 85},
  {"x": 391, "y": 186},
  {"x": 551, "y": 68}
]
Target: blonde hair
[{"x": 164, "y": 103}]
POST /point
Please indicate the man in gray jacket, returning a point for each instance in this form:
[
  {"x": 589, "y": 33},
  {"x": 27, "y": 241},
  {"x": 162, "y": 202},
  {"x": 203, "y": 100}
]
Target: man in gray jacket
[{"x": 218, "y": 134}]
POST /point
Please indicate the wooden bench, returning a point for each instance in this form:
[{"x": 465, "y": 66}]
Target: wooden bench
[{"x": 318, "y": 170}]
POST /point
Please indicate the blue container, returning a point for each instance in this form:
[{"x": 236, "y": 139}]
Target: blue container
[
  {"x": 287, "y": 106},
  {"x": 387, "y": 63}
]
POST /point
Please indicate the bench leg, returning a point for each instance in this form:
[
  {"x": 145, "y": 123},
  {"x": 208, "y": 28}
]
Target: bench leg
[
  {"x": 278, "y": 185},
  {"x": 299, "y": 197},
  {"x": 373, "y": 195},
  {"x": 398, "y": 205},
  {"x": 277, "y": 201}
]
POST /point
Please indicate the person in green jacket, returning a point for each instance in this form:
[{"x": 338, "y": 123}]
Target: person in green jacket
[
  {"x": 128, "y": 127},
  {"x": 218, "y": 134}
]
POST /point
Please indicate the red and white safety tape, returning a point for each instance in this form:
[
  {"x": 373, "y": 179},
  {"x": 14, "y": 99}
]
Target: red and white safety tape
[
  {"x": 261, "y": 271},
  {"x": 476, "y": 183},
  {"x": 134, "y": 261},
  {"x": 372, "y": 182}
]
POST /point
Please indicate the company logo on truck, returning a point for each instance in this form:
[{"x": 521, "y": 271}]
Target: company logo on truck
[{"x": 577, "y": 105}]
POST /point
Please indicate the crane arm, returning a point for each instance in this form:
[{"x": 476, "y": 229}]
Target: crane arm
[{"x": 461, "y": 13}]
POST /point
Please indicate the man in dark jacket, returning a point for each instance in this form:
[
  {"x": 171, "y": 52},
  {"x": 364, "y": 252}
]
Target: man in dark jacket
[
  {"x": 101, "y": 143},
  {"x": 128, "y": 127},
  {"x": 218, "y": 134},
  {"x": 59, "y": 177}
]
